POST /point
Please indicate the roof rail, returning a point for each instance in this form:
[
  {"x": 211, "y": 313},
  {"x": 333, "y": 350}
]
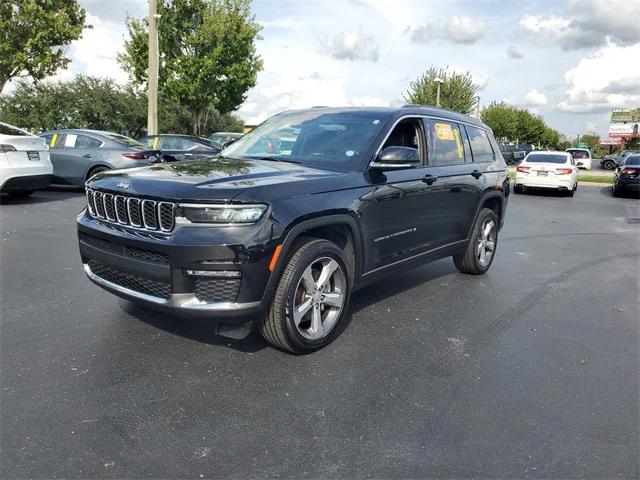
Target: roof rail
[
  {"x": 320, "y": 106},
  {"x": 412, "y": 105}
]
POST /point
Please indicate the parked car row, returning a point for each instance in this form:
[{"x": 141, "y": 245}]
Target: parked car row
[
  {"x": 72, "y": 156},
  {"x": 610, "y": 162}
]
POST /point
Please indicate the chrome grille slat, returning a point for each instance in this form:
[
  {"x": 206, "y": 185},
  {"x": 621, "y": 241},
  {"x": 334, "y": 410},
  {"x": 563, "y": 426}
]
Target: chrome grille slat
[{"x": 133, "y": 212}]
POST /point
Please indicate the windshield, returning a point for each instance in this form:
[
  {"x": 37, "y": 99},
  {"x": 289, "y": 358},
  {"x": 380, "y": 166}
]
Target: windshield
[
  {"x": 129, "y": 142},
  {"x": 579, "y": 153},
  {"x": 546, "y": 158},
  {"x": 318, "y": 138}
]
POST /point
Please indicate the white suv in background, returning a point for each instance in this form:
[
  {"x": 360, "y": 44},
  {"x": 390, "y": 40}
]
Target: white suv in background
[
  {"x": 582, "y": 156},
  {"x": 24, "y": 162}
]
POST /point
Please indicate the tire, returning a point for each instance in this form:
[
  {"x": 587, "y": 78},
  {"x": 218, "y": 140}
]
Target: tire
[
  {"x": 609, "y": 165},
  {"x": 322, "y": 321},
  {"x": 518, "y": 188},
  {"x": 571, "y": 192},
  {"x": 21, "y": 193},
  {"x": 95, "y": 170},
  {"x": 471, "y": 261},
  {"x": 616, "y": 190}
]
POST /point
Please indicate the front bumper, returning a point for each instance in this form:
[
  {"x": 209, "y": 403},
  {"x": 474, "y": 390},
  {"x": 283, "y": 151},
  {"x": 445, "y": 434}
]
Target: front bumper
[{"x": 195, "y": 271}]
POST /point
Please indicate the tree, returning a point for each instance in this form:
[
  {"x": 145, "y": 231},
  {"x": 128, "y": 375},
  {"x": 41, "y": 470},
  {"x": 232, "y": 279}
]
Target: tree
[
  {"x": 101, "y": 104},
  {"x": 457, "y": 93},
  {"x": 208, "y": 55},
  {"x": 592, "y": 140},
  {"x": 34, "y": 34},
  {"x": 503, "y": 120}
]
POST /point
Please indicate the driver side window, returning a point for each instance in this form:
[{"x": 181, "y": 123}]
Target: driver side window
[{"x": 407, "y": 133}]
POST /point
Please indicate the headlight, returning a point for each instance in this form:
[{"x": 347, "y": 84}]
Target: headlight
[{"x": 222, "y": 213}]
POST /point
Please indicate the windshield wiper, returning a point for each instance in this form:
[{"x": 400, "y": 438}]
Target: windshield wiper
[{"x": 273, "y": 159}]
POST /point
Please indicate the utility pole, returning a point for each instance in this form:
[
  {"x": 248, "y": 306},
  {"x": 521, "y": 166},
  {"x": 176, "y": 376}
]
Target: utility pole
[
  {"x": 152, "y": 77},
  {"x": 439, "y": 81}
]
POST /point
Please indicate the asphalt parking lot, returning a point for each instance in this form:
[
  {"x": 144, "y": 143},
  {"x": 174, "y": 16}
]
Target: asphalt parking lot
[{"x": 530, "y": 371}]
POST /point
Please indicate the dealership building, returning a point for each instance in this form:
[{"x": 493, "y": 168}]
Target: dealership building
[{"x": 624, "y": 125}]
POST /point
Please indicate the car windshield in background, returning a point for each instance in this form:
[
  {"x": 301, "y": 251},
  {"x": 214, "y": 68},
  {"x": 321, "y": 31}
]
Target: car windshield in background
[
  {"x": 546, "y": 158},
  {"x": 129, "y": 142},
  {"x": 633, "y": 160},
  {"x": 335, "y": 139},
  {"x": 579, "y": 153}
]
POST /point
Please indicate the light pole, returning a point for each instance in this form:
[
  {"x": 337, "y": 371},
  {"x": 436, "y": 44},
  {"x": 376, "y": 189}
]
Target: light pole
[
  {"x": 152, "y": 77},
  {"x": 477, "y": 106},
  {"x": 439, "y": 81}
]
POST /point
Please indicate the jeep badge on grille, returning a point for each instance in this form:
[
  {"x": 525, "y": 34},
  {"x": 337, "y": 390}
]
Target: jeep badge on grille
[{"x": 123, "y": 185}]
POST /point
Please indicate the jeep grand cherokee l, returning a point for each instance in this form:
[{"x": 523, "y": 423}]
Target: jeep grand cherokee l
[{"x": 276, "y": 235}]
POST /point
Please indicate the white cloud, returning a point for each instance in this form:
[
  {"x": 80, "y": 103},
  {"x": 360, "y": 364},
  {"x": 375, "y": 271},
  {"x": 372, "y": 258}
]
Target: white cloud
[
  {"x": 513, "y": 52},
  {"x": 350, "y": 46},
  {"x": 603, "y": 80},
  {"x": 462, "y": 30},
  {"x": 588, "y": 23},
  {"x": 534, "y": 98}
]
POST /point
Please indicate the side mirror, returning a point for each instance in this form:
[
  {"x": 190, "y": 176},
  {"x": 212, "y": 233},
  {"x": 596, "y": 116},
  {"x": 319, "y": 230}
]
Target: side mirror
[{"x": 397, "y": 157}]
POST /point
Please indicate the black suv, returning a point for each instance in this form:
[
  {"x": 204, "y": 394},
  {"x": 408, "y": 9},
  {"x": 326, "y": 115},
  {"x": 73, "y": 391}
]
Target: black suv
[{"x": 277, "y": 231}]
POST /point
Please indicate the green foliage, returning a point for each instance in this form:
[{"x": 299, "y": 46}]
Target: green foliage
[
  {"x": 34, "y": 34},
  {"x": 517, "y": 125},
  {"x": 208, "y": 58},
  {"x": 101, "y": 104},
  {"x": 457, "y": 93},
  {"x": 592, "y": 140}
]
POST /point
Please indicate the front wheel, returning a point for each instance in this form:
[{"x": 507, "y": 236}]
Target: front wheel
[
  {"x": 609, "y": 165},
  {"x": 482, "y": 245},
  {"x": 310, "y": 302}
]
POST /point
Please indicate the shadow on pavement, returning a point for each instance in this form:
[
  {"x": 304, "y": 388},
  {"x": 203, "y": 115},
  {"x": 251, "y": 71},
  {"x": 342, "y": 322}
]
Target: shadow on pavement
[
  {"x": 201, "y": 330},
  {"x": 52, "y": 194}
]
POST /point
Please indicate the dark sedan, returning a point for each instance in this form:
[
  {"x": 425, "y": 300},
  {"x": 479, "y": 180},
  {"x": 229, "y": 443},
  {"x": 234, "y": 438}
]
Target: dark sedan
[
  {"x": 78, "y": 154},
  {"x": 180, "y": 147},
  {"x": 627, "y": 176}
]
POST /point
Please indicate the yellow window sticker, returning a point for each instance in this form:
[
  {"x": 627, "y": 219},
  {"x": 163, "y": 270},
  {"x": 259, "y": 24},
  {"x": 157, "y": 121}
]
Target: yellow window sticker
[
  {"x": 444, "y": 131},
  {"x": 458, "y": 143},
  {"x": 155, "y": 143},
  {"x": 53, "y": 140}
]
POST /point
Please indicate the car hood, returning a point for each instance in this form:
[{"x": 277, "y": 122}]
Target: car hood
[{"x": 218, "y": 179}]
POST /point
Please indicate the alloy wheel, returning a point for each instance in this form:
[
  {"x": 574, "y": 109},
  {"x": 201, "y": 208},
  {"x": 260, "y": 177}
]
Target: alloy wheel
[
  {"x": 319, "y": 298},
  {"x": 486, "y": 245}
]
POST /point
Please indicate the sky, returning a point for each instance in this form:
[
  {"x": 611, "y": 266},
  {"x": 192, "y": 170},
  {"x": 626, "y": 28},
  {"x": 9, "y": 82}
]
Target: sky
[{"x": 570, "y": 61}]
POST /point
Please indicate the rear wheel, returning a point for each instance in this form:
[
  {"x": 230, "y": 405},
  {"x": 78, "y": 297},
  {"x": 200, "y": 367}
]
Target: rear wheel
[
  {"x": 616, "y": 190},
  {"x": 482, "y": 246},
  {"x": 310, "y": 302},
  {"x": 95, "y": 170},
  {"x": 518, "y": 188}
]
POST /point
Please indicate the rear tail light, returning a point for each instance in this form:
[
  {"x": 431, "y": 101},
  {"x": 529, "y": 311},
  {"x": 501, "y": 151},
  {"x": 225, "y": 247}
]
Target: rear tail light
[
  {"x": 563, "y": 171},
  {"x": 5, "y": 147},
  {"x": 523, "y": 169},
  {"x": 136, "y": 156},
  {"x": 629, "y": 171}
]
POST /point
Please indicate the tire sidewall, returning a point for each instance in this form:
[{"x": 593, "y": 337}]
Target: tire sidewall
[
  {"x": 321, "y": 249},
  {"x": 484, "y": 214}
]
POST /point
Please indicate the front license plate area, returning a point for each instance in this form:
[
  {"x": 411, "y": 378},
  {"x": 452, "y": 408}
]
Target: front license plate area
[
  {"x": 33, "y": 156},
  {"x": 543, "y": 174}
]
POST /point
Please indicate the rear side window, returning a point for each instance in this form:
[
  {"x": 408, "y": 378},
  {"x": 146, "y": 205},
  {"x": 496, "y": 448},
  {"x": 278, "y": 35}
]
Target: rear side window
[
  {"x": 447, "y": 145},
  {"x": 9, "y": 130},
  {"x": 480, "y": 145},
  {"x": 84, "y": 141}
]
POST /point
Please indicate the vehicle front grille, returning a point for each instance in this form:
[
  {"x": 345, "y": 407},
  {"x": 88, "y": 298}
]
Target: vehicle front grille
[
  {"x": 217, "y": 290},
  {"x": 131, "y": 211},
  {"x": 137, "y": 253},
  {"x": 131, "y": 281}
]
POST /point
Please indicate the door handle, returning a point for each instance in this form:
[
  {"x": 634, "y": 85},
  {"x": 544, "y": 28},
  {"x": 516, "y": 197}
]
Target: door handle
[
  {"x": 476, "y": 174},
  {"x": 429, "y": 179},
  {"x": 86, "y": 155}
]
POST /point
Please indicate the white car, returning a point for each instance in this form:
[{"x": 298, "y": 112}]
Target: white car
[
  {"x": 24, "y": 162},
  {"x": 582, "y": 156},
  {"x": 554, "y": 170}
]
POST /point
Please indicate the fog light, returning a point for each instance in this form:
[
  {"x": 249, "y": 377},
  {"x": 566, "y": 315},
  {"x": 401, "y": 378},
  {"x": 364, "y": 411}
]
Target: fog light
[{"x": 214, "y": 273}]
